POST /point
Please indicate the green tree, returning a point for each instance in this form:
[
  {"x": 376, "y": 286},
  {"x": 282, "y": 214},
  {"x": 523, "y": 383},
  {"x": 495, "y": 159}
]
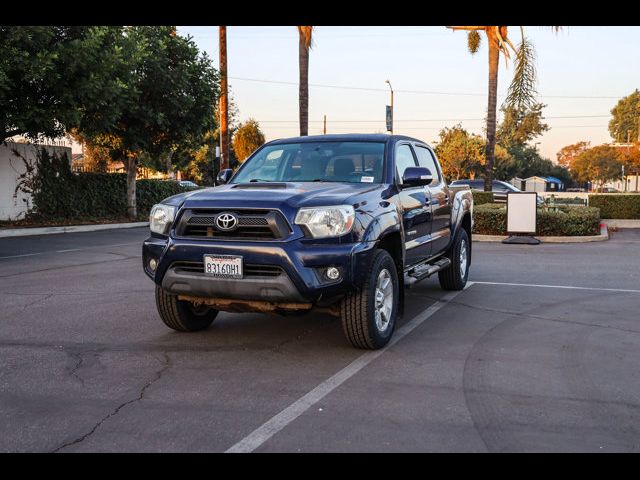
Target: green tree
[
  {"x": 598, "y": 165},
  {"x": 520, "y": 125},
  {"x": 54, "y": 78},
  {"x": 567, "y": 154},
  {"x": 626, "y": 119},
  {"x": 305, "y": 34},
  {"x": 522, "y": 89},
  {"x": 171, "y": 89},
  {"x": 247, "y": 139},
  {"x": 461, "y": 154}
]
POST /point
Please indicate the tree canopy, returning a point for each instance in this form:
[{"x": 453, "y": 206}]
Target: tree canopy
[
  {"x": 626, "y": 119},
  {"x": 247, "y": 138},
  {"x": 54, "y": 78},
  {"x": 520, "y": 125},
  {"x": 598, "y": 164},
  {"x": 171, "y": 90},
  {"x": 567, "y": 154}
]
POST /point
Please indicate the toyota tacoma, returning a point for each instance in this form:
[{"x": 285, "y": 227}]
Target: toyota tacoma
[{"x": 334, "y": 223}]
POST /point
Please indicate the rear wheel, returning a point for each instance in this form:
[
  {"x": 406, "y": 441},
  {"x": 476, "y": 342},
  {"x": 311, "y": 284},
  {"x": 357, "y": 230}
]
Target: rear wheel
[
  {"x": 369, "y": 313},
  {"x": 454, "y": 277},
  {"x": 181, "y": 315}
]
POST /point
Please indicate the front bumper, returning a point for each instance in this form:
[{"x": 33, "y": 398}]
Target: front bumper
[{"x": 299, "y": 260}]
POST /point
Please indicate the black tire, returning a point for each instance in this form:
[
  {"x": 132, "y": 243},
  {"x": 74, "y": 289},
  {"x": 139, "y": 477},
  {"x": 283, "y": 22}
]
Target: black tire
[
  {"x": 358, "y": 308},
  {"x": 181, "y": 315},
  {"x": 454, "y": 277}
]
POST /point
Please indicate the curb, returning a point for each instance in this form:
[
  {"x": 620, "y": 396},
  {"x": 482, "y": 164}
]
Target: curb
[
  {"x": 604, "y": 235},
  {"x": 621, "y": 223},
  {"x": 23, "y": 232}
]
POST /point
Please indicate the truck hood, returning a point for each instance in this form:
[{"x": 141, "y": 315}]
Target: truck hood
[{"x": 281, "y": 195}]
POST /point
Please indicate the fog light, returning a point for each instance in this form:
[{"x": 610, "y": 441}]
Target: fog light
[
  {"x": 153, "y": 264},
  {"x": 332, "y": 273}
]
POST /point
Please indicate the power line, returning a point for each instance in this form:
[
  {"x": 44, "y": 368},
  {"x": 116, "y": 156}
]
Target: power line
[
  {"x": 427, "y": 119},
  {"x": 423, "y": 92}
]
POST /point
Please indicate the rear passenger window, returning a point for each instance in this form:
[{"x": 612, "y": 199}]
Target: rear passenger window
[
  {"x": 425, "y": 159},
  {"x": 404, "y": 160}
]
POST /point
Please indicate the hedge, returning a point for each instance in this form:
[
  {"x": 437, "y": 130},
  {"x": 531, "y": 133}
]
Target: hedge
[
  {"x": 480, "y": 198},
  {"x": 94, "y": 195},
  {"x": 491, "y": 219},
  {"x": 614, "y": 205}
]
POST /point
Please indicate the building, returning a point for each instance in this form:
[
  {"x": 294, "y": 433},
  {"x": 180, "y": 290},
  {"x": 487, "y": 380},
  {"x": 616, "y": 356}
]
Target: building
[
  {"x": 538, "y": 184},
  {"x": 15, "y": 203}
]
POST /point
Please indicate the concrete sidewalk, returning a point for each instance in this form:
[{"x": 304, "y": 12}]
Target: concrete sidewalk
[{"x": 23, "y": 232}]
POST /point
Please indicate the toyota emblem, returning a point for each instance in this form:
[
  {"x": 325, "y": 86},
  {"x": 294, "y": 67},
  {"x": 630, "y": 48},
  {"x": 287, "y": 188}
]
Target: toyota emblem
[{"x": 226, "y": 222}]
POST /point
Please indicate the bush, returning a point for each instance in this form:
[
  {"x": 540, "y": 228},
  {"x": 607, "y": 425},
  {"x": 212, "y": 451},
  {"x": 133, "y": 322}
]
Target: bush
[
  {"x": 58, "y": 193},
  {"x": 480, "y": 198},
  {"x": 616, "y": 206},
  {"x": 491, "y": 219}
]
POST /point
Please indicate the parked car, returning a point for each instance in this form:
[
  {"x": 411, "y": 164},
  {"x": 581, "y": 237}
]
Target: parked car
[
  {"x": 339, "y": 223},
  {"x": 610, "y": 190},
  {"x": 498, "y": 187},
  {"x": 574, "y": 189},
  {"x": 188, "y": 183}
]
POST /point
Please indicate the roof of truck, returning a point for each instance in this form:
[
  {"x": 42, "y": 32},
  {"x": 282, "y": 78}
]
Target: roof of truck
[{"x": 345, "y": 137}]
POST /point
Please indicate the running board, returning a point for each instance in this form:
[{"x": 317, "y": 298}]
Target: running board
[{"x": 425, "y": 270}]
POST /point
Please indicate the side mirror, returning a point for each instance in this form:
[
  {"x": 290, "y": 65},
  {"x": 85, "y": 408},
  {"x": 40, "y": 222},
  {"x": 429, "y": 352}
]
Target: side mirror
[
  {"x": 416, "y": 176},
  {"x": 224, "y": 176}
]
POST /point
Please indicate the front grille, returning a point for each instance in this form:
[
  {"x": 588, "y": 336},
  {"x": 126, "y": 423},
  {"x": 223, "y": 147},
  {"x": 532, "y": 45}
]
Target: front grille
[
  {"x": 250, "y": 270},
  {"x": 252, "y": 224}
]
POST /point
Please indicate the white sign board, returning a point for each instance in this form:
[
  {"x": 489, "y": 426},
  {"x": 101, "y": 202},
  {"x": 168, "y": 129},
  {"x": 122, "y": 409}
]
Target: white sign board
[{"x": 521, "y": 212}]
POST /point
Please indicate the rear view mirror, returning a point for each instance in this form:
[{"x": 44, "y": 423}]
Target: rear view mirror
[
  {"x": 417, "y": 176},
  {"x": 224, "y": 176}
]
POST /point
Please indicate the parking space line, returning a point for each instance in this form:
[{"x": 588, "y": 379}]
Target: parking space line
[
  {"x": 72, "y": 250},
  {"x": 267, "y": 430},
  {"x": 569, "y": 287}
]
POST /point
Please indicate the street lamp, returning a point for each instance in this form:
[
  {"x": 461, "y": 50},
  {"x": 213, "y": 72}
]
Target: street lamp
[{"x": 390, "y": 116}]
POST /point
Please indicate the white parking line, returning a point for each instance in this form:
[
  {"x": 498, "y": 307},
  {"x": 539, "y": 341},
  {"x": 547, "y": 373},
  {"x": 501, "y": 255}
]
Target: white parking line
[
  {"x": 569, "y": 287},
  {"x": 72, "y": 250},
  {"x": 293, "y": 411}
]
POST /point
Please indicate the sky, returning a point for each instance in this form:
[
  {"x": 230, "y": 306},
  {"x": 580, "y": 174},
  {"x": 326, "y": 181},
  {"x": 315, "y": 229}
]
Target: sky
[{"x": 582, "y": 73}]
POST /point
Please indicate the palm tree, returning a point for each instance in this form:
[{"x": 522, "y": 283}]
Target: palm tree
[
  {"x": 305, "y": 33},
  {"x": 224, "y": 101},
  {"x": 522, "y": 89}
]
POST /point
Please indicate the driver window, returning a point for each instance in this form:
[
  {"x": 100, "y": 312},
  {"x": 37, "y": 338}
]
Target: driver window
[{"x": 404, "y": 160}]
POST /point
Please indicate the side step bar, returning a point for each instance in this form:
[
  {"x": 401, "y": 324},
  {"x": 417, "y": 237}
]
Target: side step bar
[{"x": 425, "y": 270}]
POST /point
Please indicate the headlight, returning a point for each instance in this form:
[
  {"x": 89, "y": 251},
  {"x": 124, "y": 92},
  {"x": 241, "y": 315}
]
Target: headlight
[
  {"x": 327, "y": 221},
  {"x": 161, "y": 217}
]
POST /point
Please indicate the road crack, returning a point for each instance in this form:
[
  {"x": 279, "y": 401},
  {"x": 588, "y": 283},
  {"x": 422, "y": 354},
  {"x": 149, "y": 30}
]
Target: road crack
[{"x": 157, "y": 376}]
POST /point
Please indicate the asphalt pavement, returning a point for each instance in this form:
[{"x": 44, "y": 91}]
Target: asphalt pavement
[{"x": 540, "y": 353}]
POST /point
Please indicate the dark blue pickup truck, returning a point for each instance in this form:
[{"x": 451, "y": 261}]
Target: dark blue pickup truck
[{"x": 334, "y": 223}]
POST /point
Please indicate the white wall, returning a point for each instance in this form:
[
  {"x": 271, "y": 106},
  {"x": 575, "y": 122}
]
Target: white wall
[{"x": 11, "y": 166}]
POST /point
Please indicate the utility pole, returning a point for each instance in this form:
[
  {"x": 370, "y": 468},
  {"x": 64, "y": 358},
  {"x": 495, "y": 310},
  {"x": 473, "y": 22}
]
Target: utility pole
[
  {"x": 224, "y": 101},
  {"x": 324, "y": 130},
  {"x": 390, "y": 116}
]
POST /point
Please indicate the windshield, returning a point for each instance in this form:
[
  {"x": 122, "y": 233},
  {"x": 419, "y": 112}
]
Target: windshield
[{"x": 352, "y": 162}]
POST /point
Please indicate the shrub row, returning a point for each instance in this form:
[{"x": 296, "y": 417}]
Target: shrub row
[
  {"x": 491, "y": 219},
  {"x": 94, "y": 195},
  {"x": 616, "y": 206},
  {"x": 480, "y": 198}
]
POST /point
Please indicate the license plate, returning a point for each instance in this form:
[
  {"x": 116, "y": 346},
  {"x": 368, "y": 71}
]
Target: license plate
[{"x": 223, "y": 266}]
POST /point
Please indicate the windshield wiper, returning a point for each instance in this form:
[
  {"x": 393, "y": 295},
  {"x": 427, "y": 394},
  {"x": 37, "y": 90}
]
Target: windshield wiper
[{"x": 258, "y": 180}]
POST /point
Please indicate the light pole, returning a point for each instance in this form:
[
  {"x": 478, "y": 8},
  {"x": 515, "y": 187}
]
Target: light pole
[{"x": 390, "y": 124}]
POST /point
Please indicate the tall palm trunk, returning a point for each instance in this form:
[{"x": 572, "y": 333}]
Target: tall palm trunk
[
  {"x": 224, "y": 101},
  {"x": 494, "y": 56},
  {"x": 131, "y": 163},
  {"x": 303, "y": 97}
]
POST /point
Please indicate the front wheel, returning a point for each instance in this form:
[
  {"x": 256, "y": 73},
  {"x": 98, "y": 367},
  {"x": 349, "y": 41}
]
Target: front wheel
[
  {"x": 369, "y": 313},
  {"x": 454, "y": 277},
  {"x": 181, "y": 315}
]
